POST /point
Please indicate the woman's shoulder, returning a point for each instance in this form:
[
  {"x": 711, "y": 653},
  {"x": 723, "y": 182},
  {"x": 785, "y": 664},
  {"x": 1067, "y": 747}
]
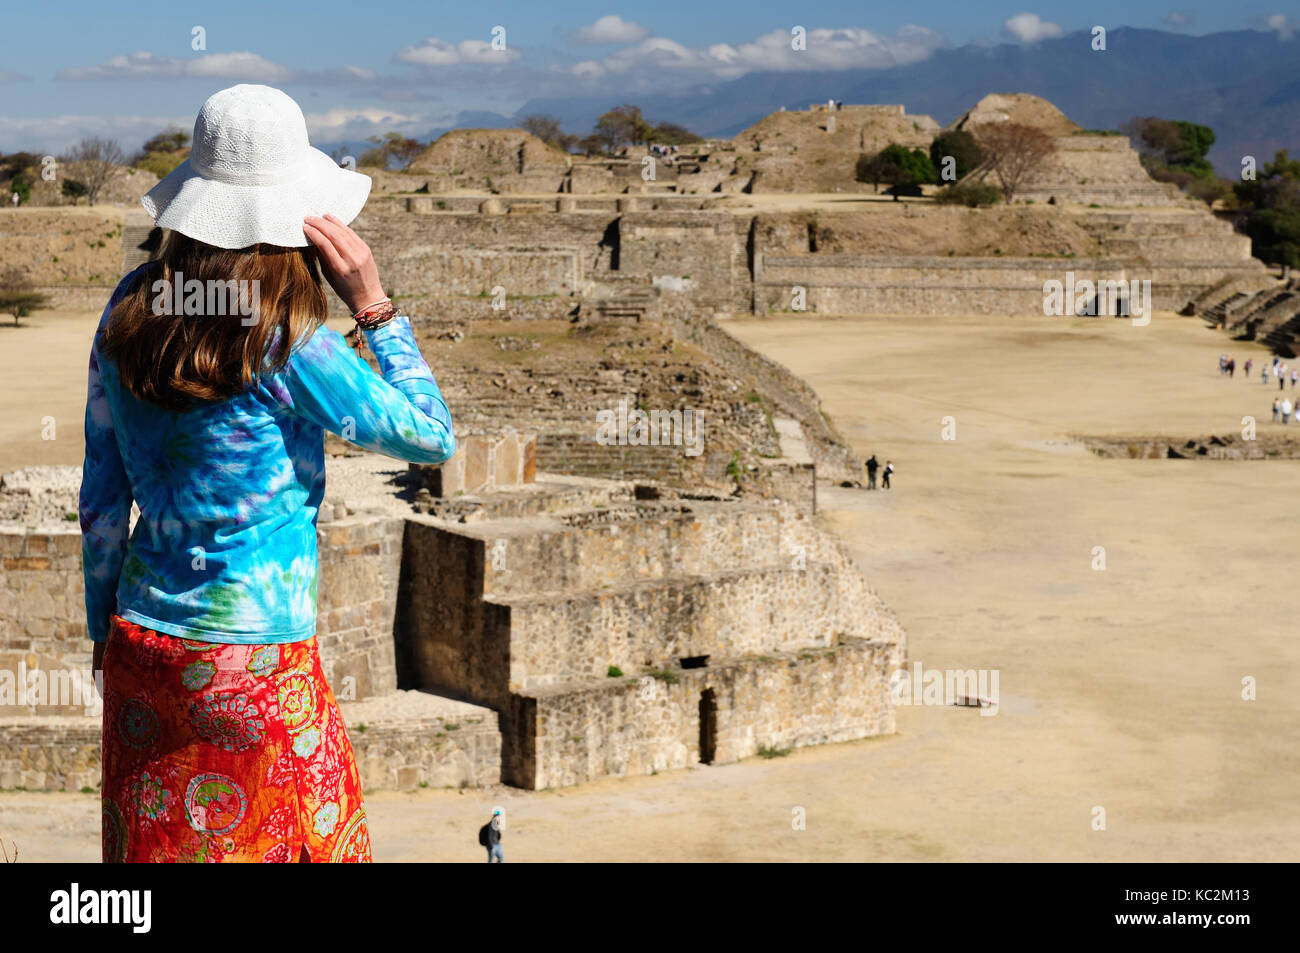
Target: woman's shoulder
[{"x": 132, "y": 279}]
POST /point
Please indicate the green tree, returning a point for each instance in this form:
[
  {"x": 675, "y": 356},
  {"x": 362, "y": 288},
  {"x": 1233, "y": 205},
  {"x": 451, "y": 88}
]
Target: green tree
[
  {"x": 18, "y": 295},
  {"x": 895, "y": 165},
  {"x": 962, "y": 147},
  {"x": 671, "y": 134},
  {"x": 16, "y": 162},
  {"x": 547, "y": 129},
  {"x": 74, "y": 190},
  {"x": 1172, "y": 145},
  {"x": 623, "y": 125},
  {"x": 1273, "y": 221},
  {"x": 163, "y": 152},
  {"x": 391, "y": 149},
  {"x": 23, "y": 186}
]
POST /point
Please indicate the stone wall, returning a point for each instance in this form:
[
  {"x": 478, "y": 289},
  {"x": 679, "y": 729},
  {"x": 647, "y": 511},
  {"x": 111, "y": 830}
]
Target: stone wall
[
  {"x": 641, "y": 726},
  {"x": 42, "y": 608},
  {"x": 580, "y": 454},
  {"x": 42, "y": 605},
  {"x": 360, "y": 568},
  {"x": 786, "y": 390},
  {"x": 483, "y": 462},
  {"x": 850, "y": 284},
  {"x": 631, "y": 586}
]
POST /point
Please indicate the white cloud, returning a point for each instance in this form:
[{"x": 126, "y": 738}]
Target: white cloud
[
  {"x": 8, "y": 77},
  {"x": 1179, "y": 19},
  {"x": 144, "y": 65},
  {"x": 57, "y": 134},
  {"x": 611, "y": 29},
  {"x": 1030, "y": 28},
  {"x": 359, "y": 123},
  {"x": 1284, "y": 26},
  {"x": 432, "y": 51},
  {"x": 826, "y": 49},
  {"x": 245, "y": 67}
]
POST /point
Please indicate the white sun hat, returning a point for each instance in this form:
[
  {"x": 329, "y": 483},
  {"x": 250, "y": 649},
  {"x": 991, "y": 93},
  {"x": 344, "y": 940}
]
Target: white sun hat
[{"x": 252, "y": 176}]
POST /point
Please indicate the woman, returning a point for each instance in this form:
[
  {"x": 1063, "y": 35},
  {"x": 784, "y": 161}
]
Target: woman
[{"x": 221, "y": 738}]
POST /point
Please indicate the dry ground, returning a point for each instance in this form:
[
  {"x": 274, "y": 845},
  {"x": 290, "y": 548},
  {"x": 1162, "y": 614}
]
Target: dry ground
[{"x": 1121, "y": 689}]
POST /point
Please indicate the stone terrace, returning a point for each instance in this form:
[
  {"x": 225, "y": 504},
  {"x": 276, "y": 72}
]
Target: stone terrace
[{"x": 623, "y": 629}]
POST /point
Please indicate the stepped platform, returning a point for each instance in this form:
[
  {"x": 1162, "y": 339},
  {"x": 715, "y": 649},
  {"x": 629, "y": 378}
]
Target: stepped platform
[
  {"x": 402, "y": 740},
  {"x": 623, "y": 635}
]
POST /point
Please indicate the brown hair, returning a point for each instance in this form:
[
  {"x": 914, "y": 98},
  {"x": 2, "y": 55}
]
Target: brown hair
[{"x": 178, "y": 360}]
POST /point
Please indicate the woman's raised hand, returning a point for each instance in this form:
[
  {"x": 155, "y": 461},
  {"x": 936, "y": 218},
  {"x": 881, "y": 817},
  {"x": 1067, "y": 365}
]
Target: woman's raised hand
[{"x": 346, "y": 261}]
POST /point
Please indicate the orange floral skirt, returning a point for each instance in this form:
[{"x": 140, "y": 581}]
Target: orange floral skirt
[{"x": 219, "y": 752}]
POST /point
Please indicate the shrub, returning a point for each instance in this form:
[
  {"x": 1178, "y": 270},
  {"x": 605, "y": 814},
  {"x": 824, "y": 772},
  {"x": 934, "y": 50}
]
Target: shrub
[
  {"x": 961, "y": 146},
  {"x": 980, "y": 195}
]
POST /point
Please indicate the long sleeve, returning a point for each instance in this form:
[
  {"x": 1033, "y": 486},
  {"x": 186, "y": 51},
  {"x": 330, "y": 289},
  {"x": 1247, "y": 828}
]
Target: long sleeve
[
  {"x": 401, "y": 413},
  {"x": 104, "y": 508}
]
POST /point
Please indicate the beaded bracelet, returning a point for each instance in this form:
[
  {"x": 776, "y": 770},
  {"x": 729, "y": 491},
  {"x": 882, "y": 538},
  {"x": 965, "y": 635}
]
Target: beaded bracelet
[{"x": 373, "y": 317}]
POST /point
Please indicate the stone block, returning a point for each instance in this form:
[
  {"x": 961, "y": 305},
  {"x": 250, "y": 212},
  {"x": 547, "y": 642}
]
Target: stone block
[
  {"x": 476, "y": 463},
  {"x": 507, "y": 462},
  {"x": 529, "y": 472}
]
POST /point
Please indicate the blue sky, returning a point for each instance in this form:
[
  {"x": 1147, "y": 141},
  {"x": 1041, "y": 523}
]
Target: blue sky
[{"x": 74, "y": 68}]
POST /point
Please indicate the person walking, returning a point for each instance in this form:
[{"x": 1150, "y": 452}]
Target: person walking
[
  {"x": 1281, "y": 377},
  {"x": 222, "y": 740},
  {"x": 489, "y": 836},
  {"x": 1277, "y": 409},
  {"x": 872, "y": 466},
  {"x": 1286, "y": 411},
  {"x": 889, "y": 472},
  {"x": 1248, "y": 365},
  {"x": 1263, "y": 375}
]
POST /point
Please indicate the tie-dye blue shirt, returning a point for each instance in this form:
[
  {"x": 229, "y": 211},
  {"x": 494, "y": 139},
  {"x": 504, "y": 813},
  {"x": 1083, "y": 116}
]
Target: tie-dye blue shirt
[{"x": 224, "y": 549}]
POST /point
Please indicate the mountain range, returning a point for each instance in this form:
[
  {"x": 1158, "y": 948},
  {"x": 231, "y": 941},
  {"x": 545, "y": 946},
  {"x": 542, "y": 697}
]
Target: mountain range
[{"x": 1245, "y": 85}]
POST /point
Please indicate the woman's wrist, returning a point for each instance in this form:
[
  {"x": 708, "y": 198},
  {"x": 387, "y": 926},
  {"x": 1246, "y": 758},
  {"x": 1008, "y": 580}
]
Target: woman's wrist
[
  {"x": 373, "y": 302},
  {"x": 376, "y": 316}
]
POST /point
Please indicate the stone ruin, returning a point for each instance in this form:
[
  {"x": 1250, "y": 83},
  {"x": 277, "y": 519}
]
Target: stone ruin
[
  {"x": 483, "y": 622},
  {"x": 547, "y": 609}
]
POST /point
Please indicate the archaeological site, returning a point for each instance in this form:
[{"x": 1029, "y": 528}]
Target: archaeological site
[{"x": 622, "y": 571}]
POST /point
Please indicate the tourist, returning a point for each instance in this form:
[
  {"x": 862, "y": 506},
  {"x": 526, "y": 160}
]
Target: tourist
[
  {"x": 489, "y": 836},
  {"x": 889, "y": 471},
  {"x": 1232, "y": 367},
  {"x": 1281, "y": 377},
  {"x": 1223, "y": 363},
  {"x": 1277, "y": 409},
  {"x": 1249, "y": 364},
  {"x": 1286, "y": 411},
  {"x": 872, "y": 466},
  {"x": 1263, "y": 375},
  {"x": 222, "y": 740},
  {"x": 1295, "y": 375},
  {"x": 14, "y": 198}
]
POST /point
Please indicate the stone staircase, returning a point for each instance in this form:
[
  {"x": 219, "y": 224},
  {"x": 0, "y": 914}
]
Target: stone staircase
[
  {"x": 633, "y": 306},
  {"x": 141, "y": 241},
  {"x": 1256, "y": 309},
  {"x": 621, "y": 635}
]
